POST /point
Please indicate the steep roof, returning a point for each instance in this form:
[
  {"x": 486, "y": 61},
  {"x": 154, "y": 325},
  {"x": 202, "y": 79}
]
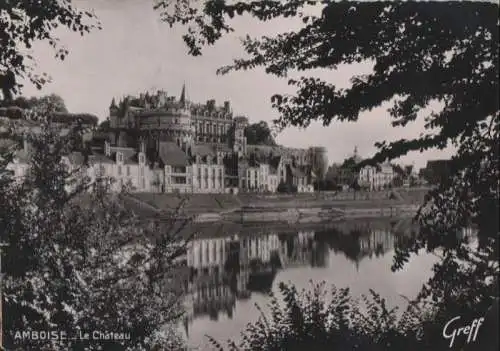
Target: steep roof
[{"x": 172, "y": 155}]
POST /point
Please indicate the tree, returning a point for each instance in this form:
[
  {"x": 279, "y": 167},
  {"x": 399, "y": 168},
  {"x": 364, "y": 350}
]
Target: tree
[
  {"x": 421, "y": 53},
  {"x": 259, "y": 134},
  {"x": 398, "y": 170},
  {"x": 24, "y": 22},
  {"x": 408, "y": 171},
  {"x": 48, "y": 104},
  {"x": 104, "y": 126},
  {"x": 77, "y": 259}
]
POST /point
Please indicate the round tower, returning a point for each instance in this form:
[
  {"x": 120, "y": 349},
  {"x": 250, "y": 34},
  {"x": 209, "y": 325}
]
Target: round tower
[
  {"x": 239, "y": 139},
  {"x": 319, "y": 160}
]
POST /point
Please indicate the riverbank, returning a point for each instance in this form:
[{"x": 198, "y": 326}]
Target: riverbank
[{"x": 297, "y": 208}]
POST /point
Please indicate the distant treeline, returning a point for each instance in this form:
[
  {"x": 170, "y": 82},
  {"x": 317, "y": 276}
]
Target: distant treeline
[{"x": 16, "y": 109}]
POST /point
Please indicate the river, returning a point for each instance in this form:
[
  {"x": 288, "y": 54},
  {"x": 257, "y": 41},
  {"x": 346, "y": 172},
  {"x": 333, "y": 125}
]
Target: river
[{"x": 230, "y": 268}]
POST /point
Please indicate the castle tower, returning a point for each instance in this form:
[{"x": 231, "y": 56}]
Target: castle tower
[
  {"x": 184, "y": 134},
  {"x": 239, "y": 139},
  {"x": 113, "y": 114},
  {"x": 318, "y": 156}
]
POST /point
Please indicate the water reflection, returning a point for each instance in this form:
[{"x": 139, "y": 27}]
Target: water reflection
[{"x": 230, "y": 266}]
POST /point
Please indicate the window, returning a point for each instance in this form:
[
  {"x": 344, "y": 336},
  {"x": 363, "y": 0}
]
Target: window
[
  {"x": 119, "y": 157},
  {"x": 119, "y": 170},
  {"x": 141, "y": 158},
  {"x": 143, "y": 182},
  {"x": 128, "y": 170},
  {"x": 141, "y": 171}
]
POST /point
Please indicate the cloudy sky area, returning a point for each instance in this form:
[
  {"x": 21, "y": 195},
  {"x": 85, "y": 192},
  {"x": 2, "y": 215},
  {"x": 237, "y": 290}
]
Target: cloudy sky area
[{"x": 135, "y": 52}]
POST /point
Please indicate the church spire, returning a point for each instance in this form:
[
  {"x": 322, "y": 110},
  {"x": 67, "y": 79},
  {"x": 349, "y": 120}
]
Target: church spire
[
  {"x": 113, "y": 103},
  {"x": 182, "y": 99}
]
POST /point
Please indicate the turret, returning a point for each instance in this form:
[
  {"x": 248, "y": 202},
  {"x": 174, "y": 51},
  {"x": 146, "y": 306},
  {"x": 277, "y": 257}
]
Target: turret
[{"x": 182, "y": 99}]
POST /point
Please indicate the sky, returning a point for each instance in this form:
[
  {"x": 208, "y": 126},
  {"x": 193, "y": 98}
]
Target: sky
[{"x": 135, "y": 52}]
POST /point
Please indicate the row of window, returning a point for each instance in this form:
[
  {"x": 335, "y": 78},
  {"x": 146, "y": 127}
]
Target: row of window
[
  {"x": 220, "y": 129},
  {"x": 204, "y": 171},
  {"x": 100, "y": 171}
]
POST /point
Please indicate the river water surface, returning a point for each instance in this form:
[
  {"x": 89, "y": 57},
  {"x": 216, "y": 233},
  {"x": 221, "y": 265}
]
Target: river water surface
[{"x": 230, "y": 268}]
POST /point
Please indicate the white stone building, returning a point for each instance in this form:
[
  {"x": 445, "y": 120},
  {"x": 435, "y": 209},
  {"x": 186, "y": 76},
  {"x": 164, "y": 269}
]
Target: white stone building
[{"x": 376, "y": 177}]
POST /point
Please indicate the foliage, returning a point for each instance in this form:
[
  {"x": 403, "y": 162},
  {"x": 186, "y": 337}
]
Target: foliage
[
  {"x": 312, "y": 320},
  {"x": 84, "y": 118},
  {"x": 259, "y": 134},
  {"x": 78, "y": 260},
  {"x": 286, "y": 187},
  {"x": 104, "y": 126},
  {"x": 422, "y": 54},
  {"x": 327, "y": 184},
  {"x": 398, "y": 170},
  {"x": 43, "y": 104},
  {"x": 398, "y": 181},
  {"x": 48, "y": 105},
  {"x": 24, "y": 22}
]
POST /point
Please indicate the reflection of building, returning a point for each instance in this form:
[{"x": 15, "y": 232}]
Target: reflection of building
[
  {"x": 228, "y": 268},
  {"x": 296, "y": 250},
  {"x": 358, "y": 240},
  {"x": 225, "y": 269},
  {"x": 378, "y": 242}
]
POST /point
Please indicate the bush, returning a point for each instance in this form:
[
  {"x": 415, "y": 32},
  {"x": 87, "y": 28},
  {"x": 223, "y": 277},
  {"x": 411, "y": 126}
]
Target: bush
[
  {"x": 286, "y": 188},
  {"x": 307, "y": 321}
]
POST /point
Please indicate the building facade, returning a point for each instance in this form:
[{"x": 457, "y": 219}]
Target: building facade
[
  {"x": 377, "y": 177},
  {"x": 160, "y": 143}
]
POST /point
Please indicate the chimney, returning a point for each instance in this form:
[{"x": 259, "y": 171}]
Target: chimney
[
  {"x": 227, "y": 106},
  {"x": 211, "y": 104}
]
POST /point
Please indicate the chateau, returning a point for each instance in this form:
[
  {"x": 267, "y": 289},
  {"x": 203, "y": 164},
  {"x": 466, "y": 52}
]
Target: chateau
[
  {"x": 163, "y": 144},
  {"x": 160, "y": 143}
]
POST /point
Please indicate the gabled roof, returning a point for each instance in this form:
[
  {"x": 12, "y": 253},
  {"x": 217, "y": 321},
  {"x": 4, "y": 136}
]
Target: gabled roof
[{"x": 172, "y": 155}]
